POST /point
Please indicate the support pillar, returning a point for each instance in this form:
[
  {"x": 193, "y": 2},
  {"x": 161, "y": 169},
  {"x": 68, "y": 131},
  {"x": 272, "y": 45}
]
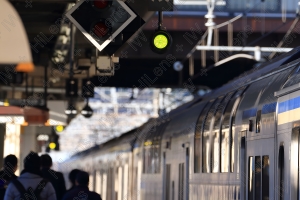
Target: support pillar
[{"x": 2, "y": 137}]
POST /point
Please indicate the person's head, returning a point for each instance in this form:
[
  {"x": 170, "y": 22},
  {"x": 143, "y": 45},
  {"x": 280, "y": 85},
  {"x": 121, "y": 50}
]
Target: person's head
[
  {"x": 46, "y": 161},
  {"x": 32, "y": 161},
  {"x": 11, "y": 162},
  {"x": 72, "y": 175},
  {"x": 82, "y": 178}
]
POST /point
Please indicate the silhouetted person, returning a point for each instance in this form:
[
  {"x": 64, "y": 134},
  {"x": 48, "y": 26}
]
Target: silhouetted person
[
  {"x": 7, "y": 173},
  {"x": 30, "y": 180},
  {"x": 72, "y": 178},
  {"x": 56, "y": 178},
  {"x": 81, "y": 191}
]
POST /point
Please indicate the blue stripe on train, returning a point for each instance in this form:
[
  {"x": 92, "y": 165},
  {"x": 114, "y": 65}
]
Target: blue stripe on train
[
  {"x": 249, "y": 113},
  {"x": 269, "y": 108},
  {"x": 289, "y": 105}
]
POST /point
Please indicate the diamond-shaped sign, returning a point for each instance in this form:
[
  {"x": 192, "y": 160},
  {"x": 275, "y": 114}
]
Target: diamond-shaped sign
[{"x": 101, "y": 21}]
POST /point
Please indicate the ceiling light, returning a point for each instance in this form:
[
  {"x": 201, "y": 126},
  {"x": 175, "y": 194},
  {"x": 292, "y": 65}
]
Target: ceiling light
[
  {"x": 71, "y": 110},
  {"x": 87, "y": 111}
]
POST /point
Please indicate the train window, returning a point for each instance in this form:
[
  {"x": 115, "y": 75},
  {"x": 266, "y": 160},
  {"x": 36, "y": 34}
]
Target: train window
[
  {"x": 197, "y": 144},
  {"x": 257, "y": 177},
  {"x": 218, "y": 152},
  {"x": 168, "y": 180},
  {"x": 134, "y": 183},
  {"x": 258, "y": 121},
  {"x": 126, "y": 183},
  {"x": 98, "y": 182},
  {"x": 215, "y": 152},
  {"x": 156, "y": 154},
  {"x": 265, "y": 177},
  {"x": 225, "y": 144},
  {"x": 104, "y": 186},
  {"x": 207, "y": 160},
  {"x": 181, "y": 182},
  {"x": 152, "y": 150},
  {"x": 147, "y": 154},
  {"x": 91, "y": 182},
  {"x": 119, "y": 183},
  {"x": 281, "y": 171},
  {"x": 250, "y": 179},
  {"x": 227, "y": 136},
  {"x": 110, "y": 186},
  {"x": 224, "y": 149},
  {"x": 198, "y": 134},
  {"x": 116, "y": 183}
]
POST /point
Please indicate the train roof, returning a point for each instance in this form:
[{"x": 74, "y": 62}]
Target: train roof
[{"x": 252, "y": 75}]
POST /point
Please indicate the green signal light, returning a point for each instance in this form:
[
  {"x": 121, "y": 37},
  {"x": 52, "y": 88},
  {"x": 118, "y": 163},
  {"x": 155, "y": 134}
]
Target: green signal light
[{"x": 160, "y": 41}]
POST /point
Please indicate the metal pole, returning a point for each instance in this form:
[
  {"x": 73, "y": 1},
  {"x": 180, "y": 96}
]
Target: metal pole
[
  {"x": 160, "y": 19},
  {"x": 32, "y": 86},
  {"x": 191, "y": 65},
  {"x": 45, "y": 85},
  {"x": 240, "y": 48},
  {"x": 72, "y": 47},
  {"x": 26, "y": 87}
]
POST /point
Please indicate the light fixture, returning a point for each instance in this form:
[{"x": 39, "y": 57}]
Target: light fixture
[
  {"x": 161, "y": 40},
  {"x": 59, "y": 128},
  {"x": 43, "y": 137},
  {"x": 6, "y": 103},
  {"x": 12, "y": 119},
  {"x": 71, "y": 110},
  {"x": 101, "y": 29},
  {"x": 52, "y": 145},
  {"x": 87, "y": 111},
  {"x": 101, "y": 5}
]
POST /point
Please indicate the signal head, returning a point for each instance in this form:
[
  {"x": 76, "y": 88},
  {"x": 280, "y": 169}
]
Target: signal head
[{"x": 161, "y": 41}]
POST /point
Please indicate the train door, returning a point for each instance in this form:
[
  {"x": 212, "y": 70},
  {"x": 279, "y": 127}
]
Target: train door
[
  {"x": 294, "y": 164},
  {"x": 259, "y": 177},
  {"x": 187, "y": 173},
  {"x": 183, "y": 177},
  {"x": 281, "y": 172},
  {"x": 243, "y": 160}
]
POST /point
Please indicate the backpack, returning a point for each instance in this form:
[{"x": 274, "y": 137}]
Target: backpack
[
  {"x": 2, "y": 189},
  {"x": 29, "y": 193},
  {"x": 2, "y": 193}
]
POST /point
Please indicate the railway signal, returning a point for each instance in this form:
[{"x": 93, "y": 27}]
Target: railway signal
[
  {"x": 161, "y": 40},
  {"x": 101, "y": 21}
]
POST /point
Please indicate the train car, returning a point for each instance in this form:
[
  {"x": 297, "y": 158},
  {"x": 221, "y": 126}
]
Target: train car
[{"x": 240, "y": 141}]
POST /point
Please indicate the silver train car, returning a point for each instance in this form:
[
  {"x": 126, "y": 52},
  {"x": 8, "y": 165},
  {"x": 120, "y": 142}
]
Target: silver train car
[{"x": 239, "y": 142}]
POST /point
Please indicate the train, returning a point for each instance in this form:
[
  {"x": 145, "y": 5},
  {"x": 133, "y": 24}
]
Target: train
[{"x": 238, "y": 142}]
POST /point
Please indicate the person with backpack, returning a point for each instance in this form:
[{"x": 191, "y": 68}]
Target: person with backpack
[
  {"x": 7, "y": 173},
  {"x": 30, "y": 184},
  {"x": 56, "y": 178},
  {"x": 81, "y": 191}
]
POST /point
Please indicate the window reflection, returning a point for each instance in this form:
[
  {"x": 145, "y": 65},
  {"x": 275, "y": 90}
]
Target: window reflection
[
  {"x": 257, "y": 177},
  {"x": 250, "y": 182},
  {"x": 265, "y": 178}
]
